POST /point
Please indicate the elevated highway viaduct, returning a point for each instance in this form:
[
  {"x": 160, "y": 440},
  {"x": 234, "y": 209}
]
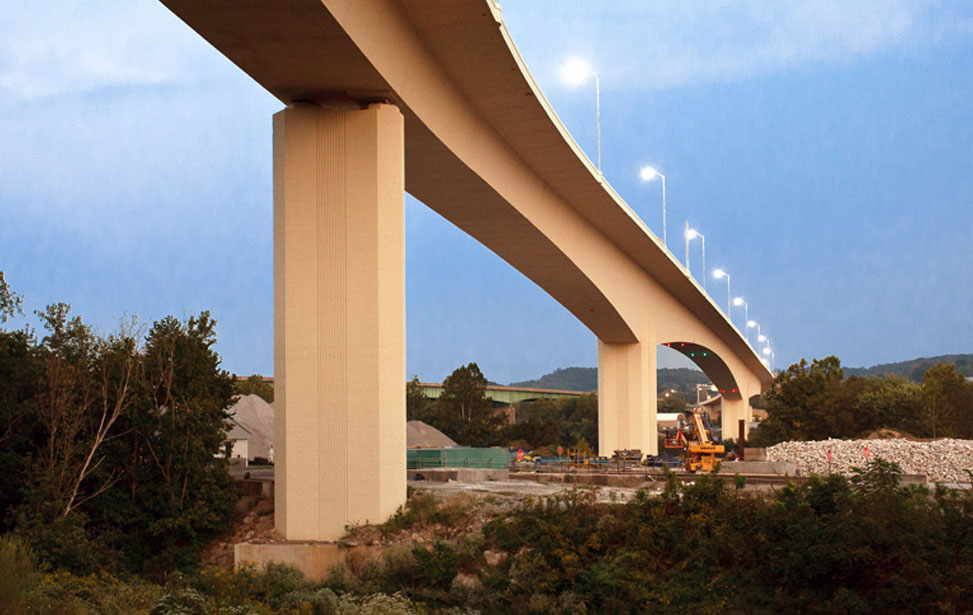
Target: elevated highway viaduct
[{"x": 432, "y": 97}]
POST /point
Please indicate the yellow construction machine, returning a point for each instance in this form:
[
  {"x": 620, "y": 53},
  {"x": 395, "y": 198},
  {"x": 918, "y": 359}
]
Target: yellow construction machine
[{"x": 700, "y": 451}]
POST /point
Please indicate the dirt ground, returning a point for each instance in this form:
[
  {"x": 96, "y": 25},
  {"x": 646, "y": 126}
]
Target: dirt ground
[{"x": 469, "y": 506}]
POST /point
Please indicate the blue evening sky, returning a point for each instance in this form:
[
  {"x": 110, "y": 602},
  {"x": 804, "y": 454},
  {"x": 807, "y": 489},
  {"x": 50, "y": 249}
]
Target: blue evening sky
[{"x": 825, "y": 149}]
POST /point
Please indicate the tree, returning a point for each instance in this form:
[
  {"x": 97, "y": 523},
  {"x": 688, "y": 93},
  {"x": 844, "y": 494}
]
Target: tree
[
  {"x": 671, "y": 404},
  {"x": 108, "y": 447},
  {"x": 178, "y": 491},
  {"x": 255, "y": 385},
  {"x": 811, "y": 402},
  {"x": 948, "y": 402},
  {"x": 892, "y": 401},
  {"x": 463, "y": 410},
  {"x": 86, "y": 386},
  {"x": 11, "y": 303},
  {"x": 417, "y": 405}
]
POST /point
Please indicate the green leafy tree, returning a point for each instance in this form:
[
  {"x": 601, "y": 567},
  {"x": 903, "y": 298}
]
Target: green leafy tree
[
  {"x": 947, "y": 398},
  {"x": 892, "y": 401},
  {"x": 671, "y": 404},
  {"x": 87, "y": 385},
  {"x": 255, "y": 385},
  {"x": 463, "y": 411},
  {"x": 794, "y": 405},
  {"x": 549, "y": 423},
  {"x": 11, "y": 303},
  {"x": 21, "y": 365},
  {"x": 178, "y": 491},
  {"x": 417, "y": 406}
]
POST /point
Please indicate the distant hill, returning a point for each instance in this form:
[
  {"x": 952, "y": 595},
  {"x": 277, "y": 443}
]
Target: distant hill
[
  {"x": 565, "y": 379},
  {"x": 586, "y": 379},
  {"x": 915, "y": 368}
]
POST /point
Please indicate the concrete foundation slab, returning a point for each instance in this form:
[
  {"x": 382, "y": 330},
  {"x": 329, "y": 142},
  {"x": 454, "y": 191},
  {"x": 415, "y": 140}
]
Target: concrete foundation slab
[
  {"x": 780, "y": 468},
  {"x": 463, "y": 475},
  {"x": 313, "y": 559}
]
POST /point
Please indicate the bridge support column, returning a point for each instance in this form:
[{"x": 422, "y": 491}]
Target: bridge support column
[
  {"x": 734, "y": 410},
  {"x": 627, "y": 397},
  {"x": 339, "y": 318}
]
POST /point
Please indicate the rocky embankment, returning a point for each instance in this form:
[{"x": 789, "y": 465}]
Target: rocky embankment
[{"x": 943, "y": 460}]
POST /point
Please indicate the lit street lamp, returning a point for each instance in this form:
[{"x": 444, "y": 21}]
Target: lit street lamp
[
  {"x": 751, "y": 324},
  {"x": 738, "y": 301},
  {"x": 649, "y": 174},
  {"x": 691, "y": 234},
  {"x": 768, "y": 352},
  {"x": 720, "y": 274},
  {"x": 575, "y": 72}
]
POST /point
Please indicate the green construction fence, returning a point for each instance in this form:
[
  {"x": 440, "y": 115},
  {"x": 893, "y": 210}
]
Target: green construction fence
[{"x": 456, "y": 457}]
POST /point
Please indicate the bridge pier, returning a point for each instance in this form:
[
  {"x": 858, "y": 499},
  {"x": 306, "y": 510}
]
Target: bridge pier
[
  {"x": 627, "y": 397},
  {"x": 339, "y": 318},
  {"x": 733, "y": 410}
]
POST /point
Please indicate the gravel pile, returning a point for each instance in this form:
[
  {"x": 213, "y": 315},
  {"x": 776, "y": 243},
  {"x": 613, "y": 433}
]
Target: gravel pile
[
  {"x": 942, "y": 460},
  {"x": 420, "y": 435},
  {"x": 256, "y": 416}
]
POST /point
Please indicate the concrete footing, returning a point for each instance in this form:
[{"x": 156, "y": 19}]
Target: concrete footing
[
  {"x": 314, "y": 559},
  {"x": 780, "y": 468},
  {"x": 463, "y": 475}
]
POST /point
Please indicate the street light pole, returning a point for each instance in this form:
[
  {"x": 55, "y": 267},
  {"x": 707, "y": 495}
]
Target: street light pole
[
  {"x": 738, "y": 301},
  {"x": 690, "y": 235},
  {"x": 649, "y": 174},
  {"x": 598, "y": 115},
  {"x": 751, "y": 324},
  {"x": 575, "y": 72},
  {"x": 718, "y": 274}
]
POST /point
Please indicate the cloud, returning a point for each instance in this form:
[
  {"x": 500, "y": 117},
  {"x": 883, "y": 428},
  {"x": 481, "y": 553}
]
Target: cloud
[
  {"x": 658, "y": 44},
  {"x": 73, "y": 46}
]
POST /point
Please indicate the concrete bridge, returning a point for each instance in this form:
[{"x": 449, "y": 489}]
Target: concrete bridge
[
  {"x": 504, "y": 395},
  {"x": 431, "y": 97}
]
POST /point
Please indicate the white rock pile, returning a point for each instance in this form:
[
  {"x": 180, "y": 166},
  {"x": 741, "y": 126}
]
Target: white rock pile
[{"x": 940, "y": 460}]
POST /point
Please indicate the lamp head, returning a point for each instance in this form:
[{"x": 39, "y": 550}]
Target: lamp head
[
  {"x": 719, "y": 274},
  {"x": 761, "y": 338},
  {"x": 692, "y": 234},
  {"x": 766, "y": 350},
  {"x": 738, "y": 301},
  {"x": 751, "y": 324},
  {"x": 648, "y": 174},
  {"x": 575, "y": 71}
]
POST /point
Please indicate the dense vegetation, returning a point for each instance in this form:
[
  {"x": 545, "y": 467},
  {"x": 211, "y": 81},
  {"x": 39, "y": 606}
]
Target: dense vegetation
[
  {"x": 816, "y": 402},
  {"x": 833, "y": 545},
  {"x": 108, "y": 444},
  {"x": 255, "y": 385}
]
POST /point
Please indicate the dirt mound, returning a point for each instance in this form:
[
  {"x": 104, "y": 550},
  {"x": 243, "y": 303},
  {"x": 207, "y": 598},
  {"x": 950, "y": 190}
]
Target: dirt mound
[
  {"x": 420, "y": 435},
  {"x": 256, "y": 525}
]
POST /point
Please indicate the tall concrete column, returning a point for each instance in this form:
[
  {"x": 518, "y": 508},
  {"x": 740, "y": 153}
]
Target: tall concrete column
[
  {"x": 733, "y": 410},
  {"x": 339, "y": 318},
  {"x": 627, "y": 396}
]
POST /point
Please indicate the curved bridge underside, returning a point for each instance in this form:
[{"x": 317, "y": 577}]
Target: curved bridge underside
[{"x": 482, "y": 147}]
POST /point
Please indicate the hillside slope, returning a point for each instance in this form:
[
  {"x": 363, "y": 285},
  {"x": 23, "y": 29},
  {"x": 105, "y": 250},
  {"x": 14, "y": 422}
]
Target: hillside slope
[{"x": 915, "y": 368}]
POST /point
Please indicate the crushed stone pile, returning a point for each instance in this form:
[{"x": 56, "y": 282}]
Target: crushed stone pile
[
  {"x": 421, "y": 435},
  {"x": 943, "y": 460}
]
